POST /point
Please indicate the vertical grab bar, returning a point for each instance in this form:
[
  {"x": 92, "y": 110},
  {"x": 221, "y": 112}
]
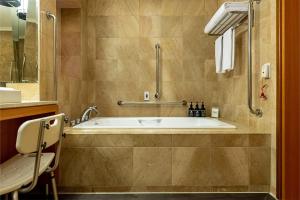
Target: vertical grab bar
[
  {"x": 53, "y": 17},
  {"x": 157, "y": 48},
  {"x": 258, "y": 112}
]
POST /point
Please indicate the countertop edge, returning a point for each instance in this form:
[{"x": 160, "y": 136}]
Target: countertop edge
[{"x": 26, "y": 104}]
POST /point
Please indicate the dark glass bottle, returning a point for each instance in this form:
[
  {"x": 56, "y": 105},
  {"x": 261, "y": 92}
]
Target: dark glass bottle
[
  {"x": 203, "y": 110},
  {"x": 197, "y": 111},
  {"x": 191, "y": 110}
]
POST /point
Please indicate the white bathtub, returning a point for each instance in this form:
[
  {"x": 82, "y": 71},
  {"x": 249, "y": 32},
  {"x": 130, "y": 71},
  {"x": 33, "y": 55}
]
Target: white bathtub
[{"x": 154, "y": 122}]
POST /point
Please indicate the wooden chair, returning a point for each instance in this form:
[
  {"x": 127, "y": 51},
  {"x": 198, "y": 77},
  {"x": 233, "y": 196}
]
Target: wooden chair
[{"x": 20, "y": 173}]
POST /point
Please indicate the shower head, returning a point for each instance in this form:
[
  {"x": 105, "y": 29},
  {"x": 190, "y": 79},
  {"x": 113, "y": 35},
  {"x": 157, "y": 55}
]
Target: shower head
[{"x": 10, "y": 3}]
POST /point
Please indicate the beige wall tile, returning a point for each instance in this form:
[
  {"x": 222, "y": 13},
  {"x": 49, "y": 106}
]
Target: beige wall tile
[
  {"x": 156, "y": 140},
  {"x": 128, "y": 48},
  {"x": 191, "y": 140},
  {"x": 171, "y": 26},
  {"x": 129, "y": 26},
  {"x": 105, "y": 7},
  {"x": 171, "y": 8},
  {"x": 260, "y": 166},
  {"x": 150, "y": 7},
  {"x": 129, "y": 7},
  {"x": 107, "y": 26},
  {"x": 230, "y": 167},
  {"x": 259, "y": 140},
  {"x": 106, "y": 70},
  {"x": 193, "y": 7},
  {"x": 230, "y": 140},
  {"x": 107, "y": 162},
  {"x": 147, "y": 167},
  {"x": 107, "y": 48},
  {"x": 191, "y": 166},
  {"x": 78, "y": 164},
  {"x": 150, "y": 26}
]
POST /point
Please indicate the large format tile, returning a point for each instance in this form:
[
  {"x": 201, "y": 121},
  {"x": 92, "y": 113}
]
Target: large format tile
[
  {"x": 152, "y": 166},
  {"x": 113, "y": 166},
  {"x": 260, "y": 166},
  {"x": 230, "y": 166},
  {"x": 195, "y": 140},
  {"x": 191, "y": 166}
]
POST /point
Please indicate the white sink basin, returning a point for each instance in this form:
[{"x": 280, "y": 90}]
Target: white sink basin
[{"x": 9, "y": 95}]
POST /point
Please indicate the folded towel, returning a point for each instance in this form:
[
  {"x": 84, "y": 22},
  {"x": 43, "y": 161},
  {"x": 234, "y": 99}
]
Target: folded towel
[
  {"x": 232, "y": 11},
  {"x": 228, "y": 50},
  {"x": 219, "y": 54}
]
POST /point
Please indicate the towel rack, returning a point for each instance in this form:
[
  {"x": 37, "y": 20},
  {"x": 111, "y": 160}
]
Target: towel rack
[
  {"x": 168, "y": 103},
  {"x": 234, "y": 18}
]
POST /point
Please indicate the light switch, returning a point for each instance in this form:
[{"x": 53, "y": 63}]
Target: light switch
[{"x": 265, "y": 71}]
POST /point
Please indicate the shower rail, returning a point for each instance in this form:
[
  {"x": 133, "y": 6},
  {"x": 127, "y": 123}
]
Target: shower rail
[
  {"x": 170, "y": 103},
  {"x": 53, "y": 17},
  {"x": 157, "y": 48}
]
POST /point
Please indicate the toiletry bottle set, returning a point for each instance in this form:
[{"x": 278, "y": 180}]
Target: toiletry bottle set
[{"x": 197, "y": 112}]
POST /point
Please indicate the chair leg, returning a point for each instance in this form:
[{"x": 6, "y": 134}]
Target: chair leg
[
  {"x": 54, "y": 189},
  {"x": 15, "y": 195}
]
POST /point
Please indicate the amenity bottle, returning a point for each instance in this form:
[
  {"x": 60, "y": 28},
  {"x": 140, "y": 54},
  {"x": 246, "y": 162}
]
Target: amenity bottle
[{"x": 191, "y": 110}]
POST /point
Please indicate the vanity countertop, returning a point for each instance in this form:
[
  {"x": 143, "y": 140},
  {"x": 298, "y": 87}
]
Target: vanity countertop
[{"x": 26, "y": 104}]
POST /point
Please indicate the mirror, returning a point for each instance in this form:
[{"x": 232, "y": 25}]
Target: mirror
[{"x": 19, "y": 33}]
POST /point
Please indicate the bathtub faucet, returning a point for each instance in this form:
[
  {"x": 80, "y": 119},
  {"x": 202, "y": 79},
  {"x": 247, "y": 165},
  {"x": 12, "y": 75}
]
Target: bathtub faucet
[{"x": 87, "y": 113}]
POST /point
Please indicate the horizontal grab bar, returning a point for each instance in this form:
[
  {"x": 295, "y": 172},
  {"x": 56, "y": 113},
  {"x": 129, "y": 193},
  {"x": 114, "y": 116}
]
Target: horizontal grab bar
[{"x": 174, "y": 103}]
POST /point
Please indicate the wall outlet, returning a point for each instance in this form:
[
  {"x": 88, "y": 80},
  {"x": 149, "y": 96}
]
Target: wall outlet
[
  {"x": 146, "y": 96},
  {"x": 265, "y": 71}
]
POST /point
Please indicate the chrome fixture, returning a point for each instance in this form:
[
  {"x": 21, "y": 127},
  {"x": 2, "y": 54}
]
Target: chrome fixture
[
  {"x": 158, "y": 90},
  {"x": 157, "y": 48},
  {"x": 10, "y": 3},
  {"x": 258, "y": 112},
  {"x": 235, "y": 19},
  {"x": 170, "y": 103},
  {"x": 51, "y": 16},
  {"x": 87, "y": 113}
]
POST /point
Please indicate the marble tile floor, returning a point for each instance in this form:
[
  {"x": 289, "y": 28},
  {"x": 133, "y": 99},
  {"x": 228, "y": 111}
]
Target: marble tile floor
[{"x": 199, "y": 196}]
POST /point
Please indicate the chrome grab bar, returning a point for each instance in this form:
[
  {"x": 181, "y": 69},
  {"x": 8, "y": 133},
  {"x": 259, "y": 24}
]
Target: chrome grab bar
[
  {"x": 170, "y": 103},
  {"x": 258, "y": 112},
  {"x": 53, "y": 17},
  {"x": 157, "y": 48}
]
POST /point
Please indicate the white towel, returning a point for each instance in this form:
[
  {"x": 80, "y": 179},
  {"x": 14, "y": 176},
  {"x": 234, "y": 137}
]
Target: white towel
[
  {"x": 228, "y": 50},
  {"x": 224, "y": 11},
  {"x": 219, "y": 54}
]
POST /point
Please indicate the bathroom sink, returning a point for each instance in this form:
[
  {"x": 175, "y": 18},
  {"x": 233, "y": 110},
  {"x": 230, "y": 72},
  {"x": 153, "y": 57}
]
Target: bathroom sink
[{"x": 9, "y": 95}]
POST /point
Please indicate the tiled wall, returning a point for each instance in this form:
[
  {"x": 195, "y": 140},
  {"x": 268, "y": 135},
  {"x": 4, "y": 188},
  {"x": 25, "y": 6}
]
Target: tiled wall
[
  {"x": 165, "y": 163},
  {"x": 6, "y": 55},
  {"x": 46, "y": 68},
  {"x": 31, "y": 52},
  {"x": 229, "y": 91},
  {"x": 120, "y": 60},
  {"x": 121, "y": 53},
  {"x": 73, "y": 87}
]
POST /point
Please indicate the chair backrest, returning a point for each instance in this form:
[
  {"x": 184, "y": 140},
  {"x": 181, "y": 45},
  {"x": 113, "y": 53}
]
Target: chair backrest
[{"x": 29, "y": 131}]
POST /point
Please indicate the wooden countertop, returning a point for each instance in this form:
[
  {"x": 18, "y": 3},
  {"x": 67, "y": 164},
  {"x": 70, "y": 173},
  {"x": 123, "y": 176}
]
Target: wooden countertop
[
  {"x": 25, "y": 109},
  {"x": 26, "y": 104}
]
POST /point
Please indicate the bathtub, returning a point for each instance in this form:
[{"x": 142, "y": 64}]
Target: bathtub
[{"x": 154, "y": 123}]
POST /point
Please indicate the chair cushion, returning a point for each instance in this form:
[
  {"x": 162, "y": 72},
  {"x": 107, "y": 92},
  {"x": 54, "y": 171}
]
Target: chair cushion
[{"x": 18, "y": 171}]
